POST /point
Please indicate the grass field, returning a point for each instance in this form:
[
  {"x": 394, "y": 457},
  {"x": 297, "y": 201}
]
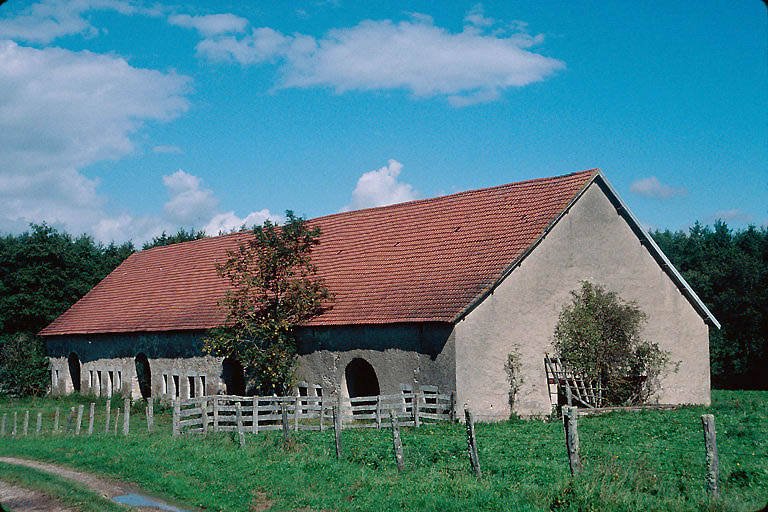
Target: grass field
[{"x": 652, "y": 460}]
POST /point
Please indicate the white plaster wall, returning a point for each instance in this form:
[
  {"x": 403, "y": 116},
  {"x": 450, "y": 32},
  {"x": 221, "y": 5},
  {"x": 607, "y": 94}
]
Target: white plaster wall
[{"x": 591, "y": 242}]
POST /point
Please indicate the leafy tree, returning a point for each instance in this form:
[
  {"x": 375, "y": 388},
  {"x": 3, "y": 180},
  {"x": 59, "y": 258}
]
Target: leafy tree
[
  {"x": 598, "y": 336},
  {"x": 182, "y": 235},
  {"x": 274, "y": 288},
  {"x": 23, "y": 366}
]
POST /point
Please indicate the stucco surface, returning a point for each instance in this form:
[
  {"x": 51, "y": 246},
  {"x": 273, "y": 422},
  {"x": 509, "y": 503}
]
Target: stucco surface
[{"x": 591, "y": 242}]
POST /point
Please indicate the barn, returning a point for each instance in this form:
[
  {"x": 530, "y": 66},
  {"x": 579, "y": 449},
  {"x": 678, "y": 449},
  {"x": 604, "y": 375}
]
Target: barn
[{"x": 432, "y": 292}]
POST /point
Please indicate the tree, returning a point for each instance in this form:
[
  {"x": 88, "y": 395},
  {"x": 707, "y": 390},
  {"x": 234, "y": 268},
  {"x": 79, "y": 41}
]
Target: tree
[
  {"x": 598, "y": 335},
  {"x": 182, "y": 235},
  {"x": 274, "y": 288},
  {"x": 23, "y": 366}
]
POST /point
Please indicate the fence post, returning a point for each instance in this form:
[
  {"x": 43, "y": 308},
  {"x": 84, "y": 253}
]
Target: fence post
[
  {"x": 415, "y": 406},
  {"x": 70, "y": 418},
  {"x": 2, "y": 428},
  {"x": 39, "y": 425},
  {"x": 55, "y": 420},
  {"x": 255, "y": 418},
  {"x": 397, "y": 444},
  {"x": 109, "y": 413},
  {"x": 79, "y": 423},
  {"x": 337, "y": 425},
  {"x": 378, "y": 412},
  {"x": 571, "y": 426},
  {"x": 296, "y": 412},
  {"x": 474, "y": 460},
  {"x": 203, "y": 416},
  {"x": 91, "y": 418},
  {"x": 151, "y": 414},
  {"x": 176, "y": 414},
  {"x": 26, "y": 422},
  {"x": 216, "y": 414},
  {"x": 15, "y": 420},
  {"x": 127, "y": 416},
  {"x": 117, "y": 418},
  {"x": 286, "y": 434},
  {"x": 710, "y": 446},
  {"x": 322, "y": 412},
  {"x": 452, "y": 412},
  {"x": 239, "y": 420}
]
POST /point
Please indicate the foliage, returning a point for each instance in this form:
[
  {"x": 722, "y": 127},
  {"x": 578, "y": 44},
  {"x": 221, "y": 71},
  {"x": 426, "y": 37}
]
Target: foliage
[
  {"x": 729, "y": 272},
  {"x": 651, "y": 460},
  {"x": 274, "y": 288},
  {"x": 598, "y": 335},
  {"x": 182, "y": 235},
  {"x": 515, "y": 379},
  {"x": 23, "y": 365}
]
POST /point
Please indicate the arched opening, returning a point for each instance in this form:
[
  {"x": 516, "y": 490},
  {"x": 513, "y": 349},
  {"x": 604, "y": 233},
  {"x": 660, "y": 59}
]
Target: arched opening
[
  {"x": 361, "y": 378},
  {"x": 74, "y": 371},
  {"x": 232, "y": 374},
  {"x": 143, "y": 375}
]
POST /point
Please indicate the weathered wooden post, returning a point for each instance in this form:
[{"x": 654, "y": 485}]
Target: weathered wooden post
[
  {"x": 91, "y": 417},
  {"x": 2, "y": 427},
  {"x": 286, "y": 434},
  {"x": 56, "y": 420},
  {"x": 296, "y": 412},
  {"x": 571, "y": 426},
  {"x": 397, "y": 444},
  {"x": 117, "y": 418},
  {"x": 177, "y": 414},
  {"x": 216, "y": 414},
  {"x": 39, "y": 426},
  {"x": 70, "y": 419},
  {"x": 151, "y": 415},
  {"x": 203, "y": 416},
  {"x": 474, "y": 459},
  {"x": 239, "y": 420},
  {"x": 127, "y": 416},
  {"x": 322, "y": 412},
  {"x": 26, "y": 422},
  {"x": 255, "y": 416},
  {"x": 415, "y": 407},
  {"x": 710, "y": 446},
  {"x": 79, "y": 422},
  {"x": 452, "y": 412},
  {"x": 15, "y": 420},
  {"x": 378, "y": 412},
  {"x": 337, "y": 425},
  {"x": 109, "y": 412}
]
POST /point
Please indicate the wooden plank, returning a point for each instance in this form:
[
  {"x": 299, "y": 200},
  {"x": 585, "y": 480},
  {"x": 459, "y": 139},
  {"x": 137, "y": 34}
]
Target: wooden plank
[
  {"x": 190, "y": 422},
  {"x": 255, "y": 415},
  {"x": 185, "y": 413},
  {"x": 240, "y": 433}
]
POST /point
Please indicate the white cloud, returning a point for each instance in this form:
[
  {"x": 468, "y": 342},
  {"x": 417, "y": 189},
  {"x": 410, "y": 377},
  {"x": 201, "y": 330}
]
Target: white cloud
[
  {"x": 381, "y": 187},
  {"x": 228, "y": 221},
  {"x": 47, "y": 20},
  {"x": 189, "y": 203},
  {"x": 734, "y": 215},
  {"x": 211, "y": 24},
  {"x": 652, "y": 187},
  {"x": 167, "y": 149},
  {"x": 415, "y": 55},
  {"x": 61, "y": 111}
]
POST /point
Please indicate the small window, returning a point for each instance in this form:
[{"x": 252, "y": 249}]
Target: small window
[
  {"x": 55, "y": 377},
  {"x": 176, "y": 386},
  {"x": 303, "y": 389},
  {"x": 90, "y": 379},
  {"x": 191, "y": 380},
  {"x": 202, "y": 385},
  {"x": 165, "y": 383},
  {"x": 119, "y": 380},
  {"x": 98, "y": 378},
  {"x": 111, "y": 383},
  {"x": 318, "y": 391}
]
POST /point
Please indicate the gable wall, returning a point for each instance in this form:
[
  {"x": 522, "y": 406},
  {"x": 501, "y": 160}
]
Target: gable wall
[{"x": 591, "y": 242}]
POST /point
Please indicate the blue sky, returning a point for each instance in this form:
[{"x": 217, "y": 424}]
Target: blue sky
[{"x": 122, "y": 119}]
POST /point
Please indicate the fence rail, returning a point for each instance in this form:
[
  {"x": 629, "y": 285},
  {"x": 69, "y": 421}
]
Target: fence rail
[{"x": 218, "y": 413}]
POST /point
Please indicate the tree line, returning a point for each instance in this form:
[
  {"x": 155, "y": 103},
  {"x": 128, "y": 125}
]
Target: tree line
[{"x": 43, "y": 271}]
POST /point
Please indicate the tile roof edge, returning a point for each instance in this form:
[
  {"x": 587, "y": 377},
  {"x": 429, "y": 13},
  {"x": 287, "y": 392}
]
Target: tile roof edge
[{"x": 595, "y": 173}]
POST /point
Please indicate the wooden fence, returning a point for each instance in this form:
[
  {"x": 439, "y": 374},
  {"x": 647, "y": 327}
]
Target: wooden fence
[{"x": 219, "y": 413}]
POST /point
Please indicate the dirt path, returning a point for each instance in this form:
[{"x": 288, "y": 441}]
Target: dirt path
[
  {"x": 107, "y": 488},
  {"x": 22, "y": 499}
]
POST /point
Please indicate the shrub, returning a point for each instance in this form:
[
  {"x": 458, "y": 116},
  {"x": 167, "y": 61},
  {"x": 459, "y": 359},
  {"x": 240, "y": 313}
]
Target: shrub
[
  {"x": 23, "y": 366},
  {"x": 599, "y": 336}
]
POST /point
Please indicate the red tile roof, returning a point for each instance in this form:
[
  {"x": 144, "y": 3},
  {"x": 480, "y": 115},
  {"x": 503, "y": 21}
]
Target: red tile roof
[{"x": 426, "y": 260}]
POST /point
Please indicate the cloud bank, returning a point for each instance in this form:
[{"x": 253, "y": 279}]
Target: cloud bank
[
  {"x": 652, "y": 187},
  {"x": 381, "y": 187}
]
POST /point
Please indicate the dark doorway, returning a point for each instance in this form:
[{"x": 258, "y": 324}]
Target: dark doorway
[
  {"x": 361, "y": 378},
  {"x": 232, "y": 373},
  {"x": 144, "y": 375},
  {"x": 74, "y": 371}
]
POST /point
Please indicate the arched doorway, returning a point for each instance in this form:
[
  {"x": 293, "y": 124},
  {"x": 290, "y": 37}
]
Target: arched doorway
[
  {"x": 232, "y": 374},
  {"x": 74, "y": 371},
  {"x": 143, "y": 375},
  {"x": 361, "y": 378}
]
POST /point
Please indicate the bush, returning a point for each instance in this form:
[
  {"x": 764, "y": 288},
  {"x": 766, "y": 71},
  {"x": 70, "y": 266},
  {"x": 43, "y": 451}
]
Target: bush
[
  {"x": 598, "y": 336},
  {"x": 24, "y": 369}
]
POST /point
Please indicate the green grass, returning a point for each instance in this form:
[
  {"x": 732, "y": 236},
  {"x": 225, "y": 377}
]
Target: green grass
[
  {"x": 652, "y": 460},
  {"x": 71, "y": 494}
]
